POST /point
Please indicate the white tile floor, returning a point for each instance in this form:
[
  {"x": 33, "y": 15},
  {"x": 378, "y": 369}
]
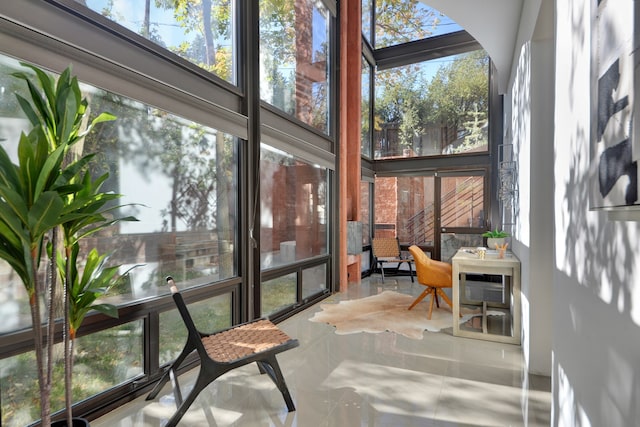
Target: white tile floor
[{"x": 366, "y": 380}]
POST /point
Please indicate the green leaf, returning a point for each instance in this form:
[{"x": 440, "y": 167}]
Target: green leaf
[
  {"x": 28, "y": 110},
  {"x": 46, "y": 81},
  {"x": 12, "y": 234},
  {"x": 85, "y": 289},
  {"x": 103, "y": 117},
  {"x": 41, "y": 107},
  {"x": 47, "y": 171},
  {"x": 68, "y": 114},
  {"x": 45, "y": 212},
  {"x": 108, "y": 309},
  {"x": 8, "y": 173},
  {"x": 73, "y": 170},
  {"x": 14, "y": 205}
]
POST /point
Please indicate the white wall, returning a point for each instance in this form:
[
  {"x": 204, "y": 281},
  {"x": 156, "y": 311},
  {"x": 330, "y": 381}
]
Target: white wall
[
  {"x": 529, "y": 127},
  {"x": 525, "y": 37},
  {"x": 591, "y": 260},
  {"x": 596, "y": 294}
]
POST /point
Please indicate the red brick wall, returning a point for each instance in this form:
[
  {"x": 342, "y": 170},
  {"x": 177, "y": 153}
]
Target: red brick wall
[{"x": 386, "y": 206}]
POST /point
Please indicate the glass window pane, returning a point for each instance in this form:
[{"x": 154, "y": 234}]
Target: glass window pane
[
  {"x": 209, "y": 316},
  {"x": 451, "y": 242},
  {"x": 404, "y": 208},
  {"x": 433, "y": 107},
  {"x": 102, "y": 360},
  {"x": 202, "y": 36},
  {"x": 462, "y": 201},
  {"x": 365, "y": 211},
  {"x": 365, "y": 130},
  {"x": 278, "y": 293},
  {"x": 177, "y": 177},
  {"x": 293, "y": 219},
  {"x": 366, "y": 19},
  {"x": 407, "y": 20},
  {"x": 294, "y": 59},
  {"x": 314, "y": 280}
]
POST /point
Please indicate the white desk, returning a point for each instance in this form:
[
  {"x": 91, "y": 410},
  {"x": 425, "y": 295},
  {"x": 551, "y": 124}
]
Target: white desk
[{"x": 465, "y": 262}]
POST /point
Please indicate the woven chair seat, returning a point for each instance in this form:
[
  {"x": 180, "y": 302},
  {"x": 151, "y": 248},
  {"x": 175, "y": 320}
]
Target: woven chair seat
[
  {"x": 257, "y": 341},
  {"x": 243, "y": 341},
  {"x": 387, "y": 250}
]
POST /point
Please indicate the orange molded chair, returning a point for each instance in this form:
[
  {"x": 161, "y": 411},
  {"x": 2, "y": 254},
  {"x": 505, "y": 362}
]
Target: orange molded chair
[{"x": 433, "y": 274}]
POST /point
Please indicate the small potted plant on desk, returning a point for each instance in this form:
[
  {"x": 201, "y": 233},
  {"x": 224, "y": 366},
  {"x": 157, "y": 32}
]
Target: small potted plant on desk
[{"x": 495, "y": 238}]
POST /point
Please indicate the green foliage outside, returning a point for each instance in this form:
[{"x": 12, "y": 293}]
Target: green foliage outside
[
  {"x": 103, "y": 360},
  {"x": 455, "y": 97},
  {"x": 278, "y": 293},
  {"x": 401, "y": 21}
]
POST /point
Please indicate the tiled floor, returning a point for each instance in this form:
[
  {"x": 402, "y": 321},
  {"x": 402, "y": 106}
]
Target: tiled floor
[{"x": 366, "y": 380}]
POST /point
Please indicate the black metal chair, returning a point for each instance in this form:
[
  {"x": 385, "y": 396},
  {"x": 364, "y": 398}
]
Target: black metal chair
[
  {"x": 387, "y": 250},
  {"x": 256, "y": 341}
]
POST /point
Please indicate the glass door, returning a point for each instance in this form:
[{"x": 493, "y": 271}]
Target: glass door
[
  {"x": 405, "y": 208},
  {"x": 440, "y": 213},
  {"x": 462, "y": 206}
]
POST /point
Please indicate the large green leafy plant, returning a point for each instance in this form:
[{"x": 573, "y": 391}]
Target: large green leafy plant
[{"x": 48, "y": 202}]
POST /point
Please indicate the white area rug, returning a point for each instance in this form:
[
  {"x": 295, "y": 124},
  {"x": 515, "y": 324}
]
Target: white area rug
[{"x": 388, "y": 311}]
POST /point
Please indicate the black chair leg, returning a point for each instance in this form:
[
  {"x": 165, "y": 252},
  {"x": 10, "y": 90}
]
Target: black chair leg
[
  {"x": 166, "y": 376},
  {"x": 272, "y": 368},
  {"x": 203, "y": 380}
]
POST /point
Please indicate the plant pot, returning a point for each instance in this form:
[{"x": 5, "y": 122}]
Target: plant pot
[
  {"x": 77, "y": 422},
  {"x": 493, "y": 241}
]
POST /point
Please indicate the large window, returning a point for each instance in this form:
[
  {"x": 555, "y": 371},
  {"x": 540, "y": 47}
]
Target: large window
[
  {"x": 177, "y": 178},
  {"x": 293, "y": 221},
  {"x": 209, "y": 315},
  {"x": 171, "y": 73},
  {"x": 442, "y": 212},
  {"x": 203, "y": 36},
  {"x": 365, "y": 111},
  {"x": 404, "y": 208},
  {"x": 462, "y": 201},
  {"x": 295, "y": 59},
  {"x": 293, "y": 229},
  {"x": 366, "y": 190},
  {"x": 408, "y": 20},
  {"x": 367, "y": 8},
  {"x": 432, "y": 108},
  {"x": 103, "y": 360}
]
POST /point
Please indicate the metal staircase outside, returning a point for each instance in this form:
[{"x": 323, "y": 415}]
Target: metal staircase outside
[{"x": 420, "y": 226}]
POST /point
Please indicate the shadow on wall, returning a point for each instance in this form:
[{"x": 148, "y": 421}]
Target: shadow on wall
[
  {"x": 600, "y": 253},
  {"x": 596, "y": 325},
  {"x": 603, "y": 342},
  {"x": 596, "y": 344}
]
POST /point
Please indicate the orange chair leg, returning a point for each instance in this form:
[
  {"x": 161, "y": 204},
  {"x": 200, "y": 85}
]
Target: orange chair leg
[
  {"x": 434, "y": 295},
  {"x": 446, "y": 299},
  {"x": 420, "y": 298}
]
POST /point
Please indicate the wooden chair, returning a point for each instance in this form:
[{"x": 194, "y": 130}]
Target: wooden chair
[
  {"x": 433, "y": 274},
  {"x": 257, "y": 341},
  {"x": 387, "y": 250}
]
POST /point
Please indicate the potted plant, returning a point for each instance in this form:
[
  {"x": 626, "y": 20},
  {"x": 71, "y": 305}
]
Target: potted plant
[
  {"x": 495, "y": 237},
  {"x": 48, "y": 200}
]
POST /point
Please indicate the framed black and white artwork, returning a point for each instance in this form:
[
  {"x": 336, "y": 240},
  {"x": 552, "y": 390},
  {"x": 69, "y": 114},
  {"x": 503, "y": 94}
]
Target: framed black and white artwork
[{"x": 615, "y": 141}]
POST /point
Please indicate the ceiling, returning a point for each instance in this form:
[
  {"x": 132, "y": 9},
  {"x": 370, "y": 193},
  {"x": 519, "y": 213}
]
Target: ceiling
[{"x": 496, "y": 25}]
